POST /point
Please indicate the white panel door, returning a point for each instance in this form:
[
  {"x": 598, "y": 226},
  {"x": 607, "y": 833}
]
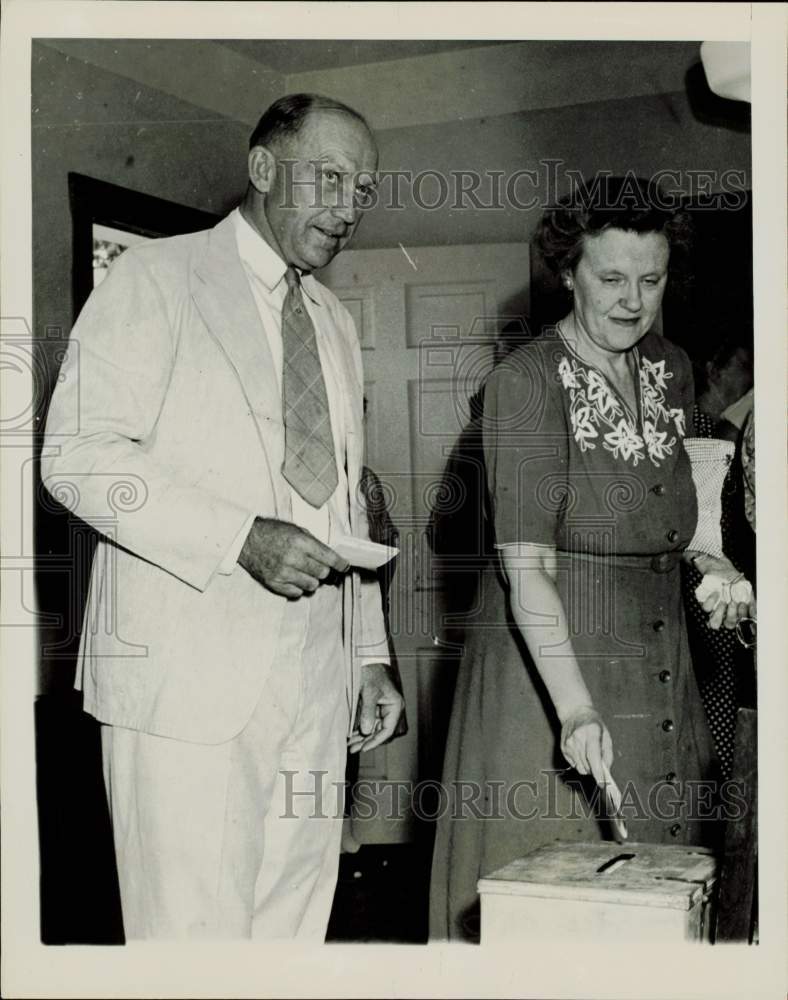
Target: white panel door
[{"x": 427, "y": 321}]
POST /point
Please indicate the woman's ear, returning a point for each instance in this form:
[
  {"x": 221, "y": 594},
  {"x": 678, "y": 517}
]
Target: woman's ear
[{"x": 262, "y": 168}]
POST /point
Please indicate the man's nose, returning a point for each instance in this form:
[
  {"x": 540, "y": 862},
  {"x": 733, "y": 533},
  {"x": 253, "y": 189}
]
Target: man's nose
[{"x": 345, "y": 210}]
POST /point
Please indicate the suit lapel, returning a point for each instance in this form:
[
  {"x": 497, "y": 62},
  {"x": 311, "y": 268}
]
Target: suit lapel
[
  {"x": 351, "y": 396},
  {"x": 225, "y": 301},
  {"x": 222, "y": 295}
]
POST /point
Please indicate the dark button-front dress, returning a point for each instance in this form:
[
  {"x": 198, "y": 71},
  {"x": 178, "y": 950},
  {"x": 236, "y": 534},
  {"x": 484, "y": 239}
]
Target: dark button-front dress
[{"x": 569, "y": 465}]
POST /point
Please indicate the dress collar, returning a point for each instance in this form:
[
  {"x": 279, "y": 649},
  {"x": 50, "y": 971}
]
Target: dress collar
[{"x": 262, "y": 260}]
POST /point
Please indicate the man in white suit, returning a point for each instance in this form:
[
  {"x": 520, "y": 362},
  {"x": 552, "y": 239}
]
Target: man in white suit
[{"x": 230, "y": 653}]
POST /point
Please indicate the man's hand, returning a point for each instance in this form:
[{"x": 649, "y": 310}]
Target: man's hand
[
  {"x": 286, "y": 559},
  {"x": 380, "y": 708}
]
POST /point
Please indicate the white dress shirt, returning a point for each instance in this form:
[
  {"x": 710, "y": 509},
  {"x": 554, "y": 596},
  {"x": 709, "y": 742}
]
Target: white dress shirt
[{"x": 265, "y": 271}]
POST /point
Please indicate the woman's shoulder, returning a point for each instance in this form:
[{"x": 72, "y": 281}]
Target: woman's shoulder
[
  {"x": 657, "y": 348},
  {"x": 535, "y": 361}
]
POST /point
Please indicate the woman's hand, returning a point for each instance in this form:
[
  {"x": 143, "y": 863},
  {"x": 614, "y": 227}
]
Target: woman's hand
[
  {"x": 723, "y": 605},
  {"x": 586, "y": 743}
]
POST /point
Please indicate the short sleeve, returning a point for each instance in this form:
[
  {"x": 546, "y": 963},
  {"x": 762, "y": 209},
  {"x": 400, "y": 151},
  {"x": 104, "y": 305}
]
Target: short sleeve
[{"x": 525, "y": 449}]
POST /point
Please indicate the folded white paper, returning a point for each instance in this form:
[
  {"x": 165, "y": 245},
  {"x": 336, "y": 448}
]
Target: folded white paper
[
  {"x": 614, "y": 801},
  {"x": 359, "y": 552}
]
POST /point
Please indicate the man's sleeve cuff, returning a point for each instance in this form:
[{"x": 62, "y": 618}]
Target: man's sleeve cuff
[{"x": 230, "y": 561}]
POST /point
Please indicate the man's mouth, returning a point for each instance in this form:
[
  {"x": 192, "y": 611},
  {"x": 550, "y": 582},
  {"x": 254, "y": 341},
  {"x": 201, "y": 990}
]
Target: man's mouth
[
  {"x": 626, "y": 320},
  {"x": 329, "y": 234}
]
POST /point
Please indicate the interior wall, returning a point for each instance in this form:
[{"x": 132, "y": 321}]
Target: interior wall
[
  {"x": 641, "y": 134},
  {"x": 94, "y": 122},
  {"x": 500, "y": 79}
]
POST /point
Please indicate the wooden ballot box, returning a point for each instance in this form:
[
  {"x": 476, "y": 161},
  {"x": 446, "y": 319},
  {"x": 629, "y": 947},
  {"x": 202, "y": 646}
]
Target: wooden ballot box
[{"x": 641, "y": 893}]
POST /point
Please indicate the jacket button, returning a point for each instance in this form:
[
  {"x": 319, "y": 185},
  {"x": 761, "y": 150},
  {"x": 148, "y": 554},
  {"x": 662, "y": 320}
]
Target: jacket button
[
  {"x": 675, "y": 830},
  {"x": 664, "y": 676},
  {"x": 658, "y": 625},
  {"x": 672, "y": 535},
  {"x": 667, "y": 725},
  {"x": 671, "y": 777},
  {"x": 659, "y": 489}
]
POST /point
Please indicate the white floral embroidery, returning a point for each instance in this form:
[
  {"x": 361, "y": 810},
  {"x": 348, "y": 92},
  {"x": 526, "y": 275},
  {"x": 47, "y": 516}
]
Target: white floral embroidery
[
  {"x": 583, "y": 426},
  {"x": 568, "y": 374},
  {"x": 599, "y": 392},
  {"x": 653, "y": 401},
  {"x": 657, "y": 370},
  {"x": 594, "y": 406},
  {"x": 677, "y": 416},
  {"x": 625, "y": 441},
  {"x": 655, "y": 440}
]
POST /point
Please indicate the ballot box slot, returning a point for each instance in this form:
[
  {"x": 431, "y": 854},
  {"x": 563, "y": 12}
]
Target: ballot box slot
[{"x": 614, "y": 863}]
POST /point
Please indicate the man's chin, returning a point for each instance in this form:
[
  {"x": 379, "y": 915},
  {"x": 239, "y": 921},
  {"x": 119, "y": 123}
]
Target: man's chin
[{"x": 317, "y": 259}]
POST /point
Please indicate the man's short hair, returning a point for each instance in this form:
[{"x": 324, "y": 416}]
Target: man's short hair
[{"x": 285, "y": 118}]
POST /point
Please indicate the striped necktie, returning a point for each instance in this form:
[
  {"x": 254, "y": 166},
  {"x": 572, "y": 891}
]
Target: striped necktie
[{"x": 310, "y": 464}]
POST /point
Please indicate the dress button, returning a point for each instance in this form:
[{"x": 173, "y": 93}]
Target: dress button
[
  {"x": 675, "y": 830},
  {"x": 671, "y": 777},
  {"x": 658, "y": 625},
  {"x": 659, "y": 489},
  {"x": 667, "y": 725},
  {"x": 672, "y": 535},
  {"x": 664, "y": 676}
]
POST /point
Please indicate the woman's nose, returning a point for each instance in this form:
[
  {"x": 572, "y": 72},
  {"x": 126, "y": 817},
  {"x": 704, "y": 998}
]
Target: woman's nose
[{"x": 632, "y": 299}]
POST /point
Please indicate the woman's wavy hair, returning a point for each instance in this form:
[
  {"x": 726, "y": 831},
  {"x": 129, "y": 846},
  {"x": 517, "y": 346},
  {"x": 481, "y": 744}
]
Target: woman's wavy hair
[{"x": 629, "y": 203}]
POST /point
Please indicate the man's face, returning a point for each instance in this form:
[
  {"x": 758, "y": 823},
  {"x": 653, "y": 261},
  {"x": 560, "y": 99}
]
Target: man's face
[{"x": 324, "y": 176}]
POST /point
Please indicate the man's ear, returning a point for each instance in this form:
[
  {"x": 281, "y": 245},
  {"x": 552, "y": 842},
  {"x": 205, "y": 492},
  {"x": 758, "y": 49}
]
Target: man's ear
[{"x": 262, "y": 168}]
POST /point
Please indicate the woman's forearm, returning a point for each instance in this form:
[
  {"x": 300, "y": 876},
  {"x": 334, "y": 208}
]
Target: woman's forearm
[{"x": 540, "y": 616}]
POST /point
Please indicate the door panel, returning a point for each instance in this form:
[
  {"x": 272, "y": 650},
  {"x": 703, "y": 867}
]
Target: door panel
[{"x": 428, "y": 323}]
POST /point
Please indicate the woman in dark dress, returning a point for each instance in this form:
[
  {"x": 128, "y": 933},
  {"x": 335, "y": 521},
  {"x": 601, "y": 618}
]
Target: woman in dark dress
[{"x": 577, "y": 651}]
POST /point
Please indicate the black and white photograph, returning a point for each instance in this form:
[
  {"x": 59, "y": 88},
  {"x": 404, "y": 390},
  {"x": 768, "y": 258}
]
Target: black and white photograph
[{"x": 381, "y": 576}]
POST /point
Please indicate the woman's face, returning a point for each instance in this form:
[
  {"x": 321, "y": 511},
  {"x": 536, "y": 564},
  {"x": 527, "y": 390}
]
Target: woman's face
[{"x": 618, "y": 286}]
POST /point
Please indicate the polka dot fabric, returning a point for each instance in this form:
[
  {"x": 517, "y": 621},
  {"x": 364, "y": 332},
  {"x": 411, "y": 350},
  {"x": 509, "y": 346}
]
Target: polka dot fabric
[{"x": 716, "y": 655}]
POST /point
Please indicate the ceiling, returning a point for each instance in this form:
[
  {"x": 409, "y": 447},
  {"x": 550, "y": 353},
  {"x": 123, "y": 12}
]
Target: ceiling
[{"x": 289, "y": 56}]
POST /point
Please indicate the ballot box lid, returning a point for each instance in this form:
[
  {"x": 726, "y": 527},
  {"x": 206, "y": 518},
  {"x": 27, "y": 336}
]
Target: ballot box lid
[{"x": 664, "y": 875}]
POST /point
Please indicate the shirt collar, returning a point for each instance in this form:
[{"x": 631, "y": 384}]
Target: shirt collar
[{"x": 261, "y": 258}]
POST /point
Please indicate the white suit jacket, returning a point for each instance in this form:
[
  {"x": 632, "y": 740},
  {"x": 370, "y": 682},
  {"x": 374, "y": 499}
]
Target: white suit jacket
[{"x": 164, "y": 433}]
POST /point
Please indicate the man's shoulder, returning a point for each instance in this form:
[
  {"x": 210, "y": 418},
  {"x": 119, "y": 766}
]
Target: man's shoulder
[{"x": 168, "y": 252}]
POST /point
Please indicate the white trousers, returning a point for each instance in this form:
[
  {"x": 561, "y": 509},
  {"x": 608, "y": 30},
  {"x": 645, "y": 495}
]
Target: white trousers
[{"x": 240, "y": 839}]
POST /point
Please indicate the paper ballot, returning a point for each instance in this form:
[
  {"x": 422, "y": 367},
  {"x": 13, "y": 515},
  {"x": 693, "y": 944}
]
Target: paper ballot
[
  {"x": 613, "y": 798},
  {"x": 358, "y": 552}
]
